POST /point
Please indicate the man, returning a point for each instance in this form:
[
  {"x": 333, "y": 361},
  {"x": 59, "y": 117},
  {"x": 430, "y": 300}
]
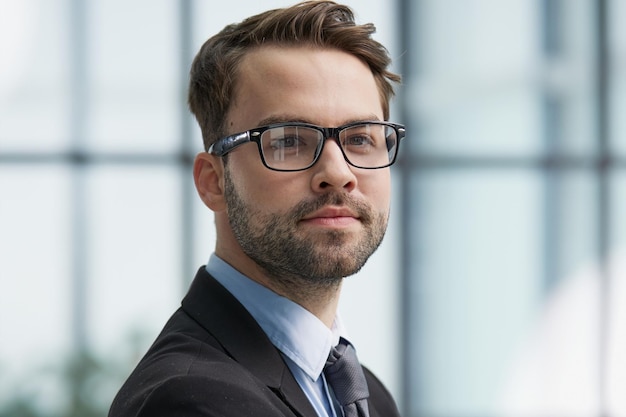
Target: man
[{"x": 292, "y": 105}]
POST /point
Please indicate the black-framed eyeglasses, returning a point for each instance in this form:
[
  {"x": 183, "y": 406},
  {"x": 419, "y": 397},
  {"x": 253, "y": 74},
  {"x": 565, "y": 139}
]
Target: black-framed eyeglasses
[{"x": 297, "y": 146}]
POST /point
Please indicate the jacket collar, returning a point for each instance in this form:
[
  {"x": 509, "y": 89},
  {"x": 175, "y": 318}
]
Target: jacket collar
[{"x": 215, "y": 309}]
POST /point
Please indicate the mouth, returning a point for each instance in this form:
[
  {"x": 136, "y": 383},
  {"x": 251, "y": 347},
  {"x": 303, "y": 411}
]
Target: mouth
[{"x": 332, "y": 217}]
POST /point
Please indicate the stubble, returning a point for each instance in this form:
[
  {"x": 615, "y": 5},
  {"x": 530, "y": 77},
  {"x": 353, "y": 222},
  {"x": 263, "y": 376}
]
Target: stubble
[{"x": 291, "y": 257}]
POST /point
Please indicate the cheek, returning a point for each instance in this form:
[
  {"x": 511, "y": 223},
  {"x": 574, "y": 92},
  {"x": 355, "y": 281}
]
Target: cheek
[
  {"x": 377, "y": 189},
  {"x": 270, "y": 191}
]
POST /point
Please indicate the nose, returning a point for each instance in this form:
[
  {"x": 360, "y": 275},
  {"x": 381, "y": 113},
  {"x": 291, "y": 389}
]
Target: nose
[{"x": 331, "y": 171}]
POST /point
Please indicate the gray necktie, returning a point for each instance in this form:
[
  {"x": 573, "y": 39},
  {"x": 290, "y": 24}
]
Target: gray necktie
[{"x": 345, "y": 376}]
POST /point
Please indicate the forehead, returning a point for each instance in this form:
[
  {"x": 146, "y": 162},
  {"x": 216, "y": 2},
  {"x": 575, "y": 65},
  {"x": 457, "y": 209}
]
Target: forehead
[{"x": 317, "y": 85}]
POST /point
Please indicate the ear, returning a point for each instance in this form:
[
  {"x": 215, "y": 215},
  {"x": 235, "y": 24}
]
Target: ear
[{"x": 208, "y": 175}]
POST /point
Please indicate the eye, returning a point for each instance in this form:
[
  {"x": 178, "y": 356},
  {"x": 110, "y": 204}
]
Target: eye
[
  {"x": 358, "y": 140},
  {"x": 285, "y": 142}
]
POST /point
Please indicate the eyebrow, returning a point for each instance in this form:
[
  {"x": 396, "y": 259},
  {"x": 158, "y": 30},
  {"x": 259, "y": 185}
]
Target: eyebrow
[{"x": 292, "y": 119}]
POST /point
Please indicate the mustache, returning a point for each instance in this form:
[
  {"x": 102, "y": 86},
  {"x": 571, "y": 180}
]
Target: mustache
[{"x": 361, "y": 208}]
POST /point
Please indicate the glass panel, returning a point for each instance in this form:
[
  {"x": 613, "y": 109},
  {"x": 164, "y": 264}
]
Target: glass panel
[
  {"x": 133, "y": 60},
  {"x": 35, "y": 283},
  {"x": 484, "y": 344},
  {"x": 34, "y": 85},
  {"x": 504, "y": 122},
  {"x": 475, "y": 92},
  {"x": 483, "y": 75},
  {"x": 555, "y": 368},
  {"x": 134, "y": 254},
  {"x": 574, "y": 220},
  {"x": 616, "y": 354}
]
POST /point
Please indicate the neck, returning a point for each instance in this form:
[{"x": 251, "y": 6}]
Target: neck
[{"x": 320, "y": 299}]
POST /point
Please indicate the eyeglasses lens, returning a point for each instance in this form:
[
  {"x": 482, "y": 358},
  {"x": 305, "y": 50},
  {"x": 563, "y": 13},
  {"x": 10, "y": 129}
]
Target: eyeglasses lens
[{"x": 290, "y": 147}]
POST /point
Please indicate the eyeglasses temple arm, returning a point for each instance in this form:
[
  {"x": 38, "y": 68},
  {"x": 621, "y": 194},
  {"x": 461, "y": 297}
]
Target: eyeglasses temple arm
[{"x": 227, "y": 144}]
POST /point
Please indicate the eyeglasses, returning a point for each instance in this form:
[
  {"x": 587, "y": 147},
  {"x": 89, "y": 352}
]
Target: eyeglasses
[{"x": 297, "y": 146}]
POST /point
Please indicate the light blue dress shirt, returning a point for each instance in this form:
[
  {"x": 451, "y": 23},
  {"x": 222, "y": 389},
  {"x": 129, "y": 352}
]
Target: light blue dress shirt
[{"x": 300, "y": 336}]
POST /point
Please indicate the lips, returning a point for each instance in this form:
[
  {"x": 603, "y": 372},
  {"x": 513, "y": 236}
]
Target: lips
[
  {"x": 332, "y": 212},
  {"x": 333, "y": 217}
]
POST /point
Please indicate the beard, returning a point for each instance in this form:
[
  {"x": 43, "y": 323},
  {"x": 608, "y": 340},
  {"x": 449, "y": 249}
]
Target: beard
[{"x": 289, "y": 256}]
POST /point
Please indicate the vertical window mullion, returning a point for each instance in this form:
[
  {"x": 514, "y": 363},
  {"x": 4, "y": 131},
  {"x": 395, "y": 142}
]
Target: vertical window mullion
[
  {"x": 603, "y": 173},
  {"x": 185, "y": 8},
  {"x": 79, "y": 111}
]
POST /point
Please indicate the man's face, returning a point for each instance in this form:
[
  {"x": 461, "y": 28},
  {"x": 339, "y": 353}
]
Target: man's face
[{"x": 323, "y": 223}]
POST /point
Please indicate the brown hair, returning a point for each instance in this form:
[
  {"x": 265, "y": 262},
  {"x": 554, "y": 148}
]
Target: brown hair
[{"x": 316, "y": 23}]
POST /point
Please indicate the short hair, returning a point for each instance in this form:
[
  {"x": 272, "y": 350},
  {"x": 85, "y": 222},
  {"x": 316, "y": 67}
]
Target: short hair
[{"x": 325, "y": 24}]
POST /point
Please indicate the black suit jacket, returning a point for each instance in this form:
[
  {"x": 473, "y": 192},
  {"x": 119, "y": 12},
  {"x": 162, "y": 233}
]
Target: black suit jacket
[{"x": 213, "y": 359}]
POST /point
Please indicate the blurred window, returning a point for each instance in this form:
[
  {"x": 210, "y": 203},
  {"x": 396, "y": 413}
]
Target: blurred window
[{"x": 513, "y": 212}]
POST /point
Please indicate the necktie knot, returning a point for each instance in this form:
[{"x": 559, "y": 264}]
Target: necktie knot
[{"x": 345, "y": 376}]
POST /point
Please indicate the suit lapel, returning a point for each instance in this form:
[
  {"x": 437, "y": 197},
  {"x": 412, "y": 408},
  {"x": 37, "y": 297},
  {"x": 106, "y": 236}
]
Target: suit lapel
[{"x": 219, "y": 312}]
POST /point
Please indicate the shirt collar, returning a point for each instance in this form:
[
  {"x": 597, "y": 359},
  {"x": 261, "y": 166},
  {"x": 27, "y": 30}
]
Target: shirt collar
[{"x": 295, "y": 331}]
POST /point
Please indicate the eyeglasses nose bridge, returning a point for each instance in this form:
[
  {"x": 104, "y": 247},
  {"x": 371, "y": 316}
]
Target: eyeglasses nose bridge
[
  {"x": 327, "y": 134},
  {"x": 330, "y": 133}
]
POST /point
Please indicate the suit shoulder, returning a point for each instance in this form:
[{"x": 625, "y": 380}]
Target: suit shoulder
[
  {"x": 200, "y": 395},
  {"x": 197, "y": 381},
  {"x": 184, "y": 370}
]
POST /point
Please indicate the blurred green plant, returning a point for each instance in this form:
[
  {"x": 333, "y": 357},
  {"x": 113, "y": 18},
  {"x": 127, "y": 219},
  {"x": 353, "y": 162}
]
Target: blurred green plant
[{"x": 81, "y": 384}]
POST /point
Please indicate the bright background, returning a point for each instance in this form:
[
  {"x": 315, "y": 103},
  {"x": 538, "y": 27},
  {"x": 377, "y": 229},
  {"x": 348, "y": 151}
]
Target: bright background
[{"x": 500, "y": 288}]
